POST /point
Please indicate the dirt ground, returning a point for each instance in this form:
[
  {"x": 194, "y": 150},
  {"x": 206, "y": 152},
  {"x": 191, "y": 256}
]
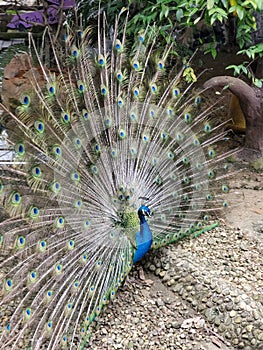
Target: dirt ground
[{"x": 246, "y": 196}]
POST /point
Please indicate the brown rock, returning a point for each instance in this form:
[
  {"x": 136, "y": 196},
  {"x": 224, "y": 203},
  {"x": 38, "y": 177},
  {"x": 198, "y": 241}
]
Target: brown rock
[{"x": 18, "y": 75}]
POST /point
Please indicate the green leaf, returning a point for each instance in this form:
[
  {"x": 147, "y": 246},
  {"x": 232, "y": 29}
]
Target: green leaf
[
  {"x": 230, "y": 67},
  {"x": 256, "y": 4},
  {"x": 257, "y": 49},
  {"x": 211, "y": 50},
  {"x": 222, "y": 12},
  {"x": 217, "y": 10},
  {"x": 248, "y": 53},
  {"x": 225, "y": 3},
  {"x": 236, "y": 69},
  {"x": 193, "y": 12},
  {"x": 241, "y": 42},
  {"x": 179, "y": 15},
  {"x": 258, "y": 83},
  {"x": 166, "y": 12},
  {"x": 197, "y": 19},
  {"x": 213, "y": 53},
  {"x": 210, "y": 4},
  {"x": 213, "y": 19},
  {"x": 244, "y": 69},
  {"x": 240, "y": 12}
]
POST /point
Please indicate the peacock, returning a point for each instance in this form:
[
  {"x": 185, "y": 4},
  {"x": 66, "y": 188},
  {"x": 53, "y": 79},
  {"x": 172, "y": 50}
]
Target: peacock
[{"x": 113, "y": 152}]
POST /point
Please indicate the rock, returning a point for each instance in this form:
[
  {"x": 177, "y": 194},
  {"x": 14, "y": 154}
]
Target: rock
[
  {"x": 162, "y": 273},
  {"x": 16, "y": 79},
  {"x": 171, "y": 282},
  {"x": 159, "y": 302},
  {"x": 152, "y": 268},
  {"x": 238, "y": 320},
  {"x": 232, "y": 313},
  {"x": 249, "y": 328},
  {"x": 176, "y": 324}
]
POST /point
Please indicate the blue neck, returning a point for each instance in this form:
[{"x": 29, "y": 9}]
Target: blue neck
[
  {"x": 142, "y": 219},
  {"x": 143, "y": 239}
]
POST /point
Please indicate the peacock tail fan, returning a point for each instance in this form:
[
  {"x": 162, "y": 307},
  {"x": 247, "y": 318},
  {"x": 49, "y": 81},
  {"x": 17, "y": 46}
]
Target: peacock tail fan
[{"x": 107, "y": 129}]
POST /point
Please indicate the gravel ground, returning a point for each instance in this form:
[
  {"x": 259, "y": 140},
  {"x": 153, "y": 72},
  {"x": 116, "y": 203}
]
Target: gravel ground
[{"x": 204, "y": 293}]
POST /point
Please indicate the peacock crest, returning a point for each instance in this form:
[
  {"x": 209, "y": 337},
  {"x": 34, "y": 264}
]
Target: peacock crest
[{"x": 111, "y": 130}]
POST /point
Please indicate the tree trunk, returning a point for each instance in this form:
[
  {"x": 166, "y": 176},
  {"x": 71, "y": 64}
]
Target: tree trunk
[{"x": 251, "y": 103}]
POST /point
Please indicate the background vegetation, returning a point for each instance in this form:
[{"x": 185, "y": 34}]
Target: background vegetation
[{"x": 202, "y": 24}]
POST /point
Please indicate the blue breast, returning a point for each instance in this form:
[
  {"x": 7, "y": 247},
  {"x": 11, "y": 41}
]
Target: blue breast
[{"x": 143, "y": 240}]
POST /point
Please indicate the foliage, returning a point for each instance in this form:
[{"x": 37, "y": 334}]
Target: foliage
[
  {"x": 170, "y": 19},
  {"x": 171, "y": 16},
  {"x": 252, "y": 52}
]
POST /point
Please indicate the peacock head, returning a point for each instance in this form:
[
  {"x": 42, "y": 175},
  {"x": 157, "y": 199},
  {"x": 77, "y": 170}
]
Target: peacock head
[{"x": 144, "y": 211}]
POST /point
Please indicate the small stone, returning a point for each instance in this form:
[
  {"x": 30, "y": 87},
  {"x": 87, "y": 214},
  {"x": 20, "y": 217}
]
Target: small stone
[
  {"x": 135, "y": 320},
  {"x": 177, "y": 287},
  {"x": 166, "y": 278},
  {"x": 222, "y": 328},
  {"x": 217, "y": 321},
  {"x": 238, "y": 319},
  {"x": 209, "y": 314},
  {"x": 166, "y": 266},
  {"x": 126, "y": 342},
  {"x": 176, "y": 277},
  {"x": 171, "y": 282},
  {"x": 176, "y": 325},
  {"x": 229, "y": 306},
  {"x": 104, "y": 331},
  {"x": 228, "y": 321},
  {"x": 157, "y": 271},
  {"x": 130, "y": 345},
  {"x": 253, "y": 341},
  {"x": 190, "y": 300},
  {"x": 162, "y": 273},
  {"x": 249, "y": 328},
  {"x": 235, "y": 341},
  {"x": 194, "y": 303},
  {"x": 211, "y": 241},
  {"x": 232, "y": 313},
  {"x": 242, "y": 305},
  {"x": 201, "y": 307},
  {"x": 152, "y": 268},
  {"x": 159, "y": 302},
  {"x": 189, "y": 288},
  {"x": 168, "y": 301},
  {"x": 256, "y": 315}
]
